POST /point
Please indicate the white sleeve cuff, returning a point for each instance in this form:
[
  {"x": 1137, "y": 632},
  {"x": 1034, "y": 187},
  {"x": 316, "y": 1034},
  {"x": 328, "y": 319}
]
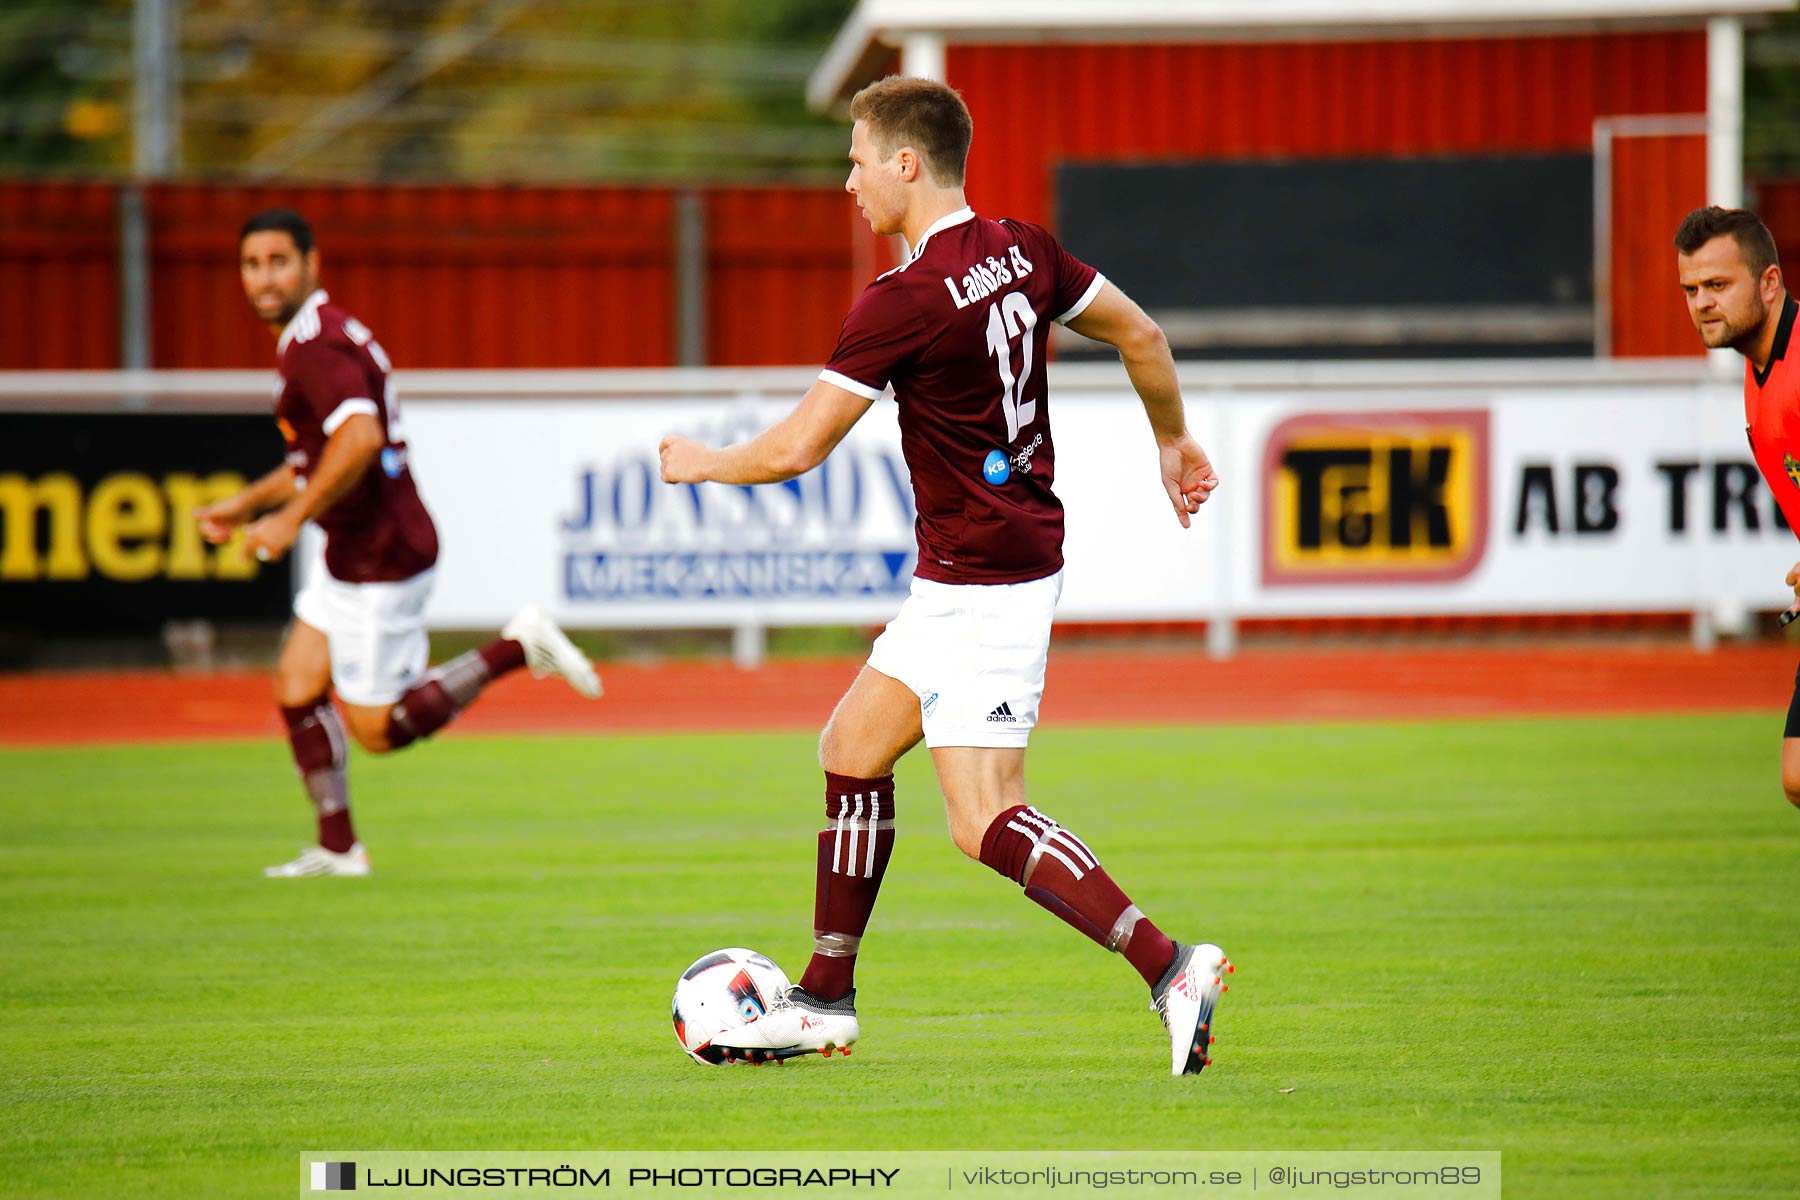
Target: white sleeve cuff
[
  {"x": 850, "y": 385},
  {"x": 348, "y": 409},
  {"x": 1087, "y": 298}
]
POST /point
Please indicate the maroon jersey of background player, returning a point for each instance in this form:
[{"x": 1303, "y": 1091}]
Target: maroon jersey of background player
[
  {"x": 331, "y": 368},
  {"x": 977, "y": 442},
  {"x": 1772, "y": 418}
]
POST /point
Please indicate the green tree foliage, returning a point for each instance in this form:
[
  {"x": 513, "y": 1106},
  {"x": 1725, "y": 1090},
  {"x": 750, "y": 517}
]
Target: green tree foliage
[
  {"x": 432, "y": 89},
  {"x": 1772, "y": 98},
  {"x": 577, "y": 90},
  {"x": 65, "y": 86}
]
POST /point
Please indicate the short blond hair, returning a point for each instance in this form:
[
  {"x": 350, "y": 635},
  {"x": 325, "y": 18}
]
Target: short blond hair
[{"x": 903, "y": 111}]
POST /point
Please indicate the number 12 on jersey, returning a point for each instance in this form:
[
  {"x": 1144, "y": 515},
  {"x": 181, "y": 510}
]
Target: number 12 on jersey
[{"x": 1012, "y": 317}]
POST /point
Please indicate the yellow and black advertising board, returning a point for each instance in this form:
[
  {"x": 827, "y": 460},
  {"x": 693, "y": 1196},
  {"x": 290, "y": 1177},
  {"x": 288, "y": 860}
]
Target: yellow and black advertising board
[
  {"x": 97, "y": 533},
  {"x": 1394, "y": 497}
]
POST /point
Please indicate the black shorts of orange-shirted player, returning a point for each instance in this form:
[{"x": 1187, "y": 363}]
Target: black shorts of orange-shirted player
[
  {"x": 959, "y": 332},
  {"x": 359, "y": 619},
  {"x": 1730, "y": 272}
]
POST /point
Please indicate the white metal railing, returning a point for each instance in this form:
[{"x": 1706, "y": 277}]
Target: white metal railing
[{"x": 249, "y": 390}]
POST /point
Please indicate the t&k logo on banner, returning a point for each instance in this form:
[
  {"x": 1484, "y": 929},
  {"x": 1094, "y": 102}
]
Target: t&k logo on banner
[{"x": 1375, "y": 497}]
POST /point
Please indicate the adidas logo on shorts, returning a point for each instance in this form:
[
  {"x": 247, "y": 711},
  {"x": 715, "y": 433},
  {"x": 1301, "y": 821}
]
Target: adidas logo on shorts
[{"x": 1003, "y": 713}]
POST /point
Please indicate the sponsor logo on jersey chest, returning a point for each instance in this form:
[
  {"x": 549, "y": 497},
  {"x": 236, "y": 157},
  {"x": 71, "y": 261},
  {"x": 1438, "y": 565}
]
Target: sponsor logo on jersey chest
[{"x": 999, "y": 466}]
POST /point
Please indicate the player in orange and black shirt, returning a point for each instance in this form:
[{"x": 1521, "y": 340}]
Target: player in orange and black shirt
[{"x": 1732, "y": 276}]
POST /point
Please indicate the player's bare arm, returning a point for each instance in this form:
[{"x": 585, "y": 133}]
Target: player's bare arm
[
  {"x": 220, "y": 519},
  {"x": 349, "y": 452},
  {"x": 1114, "y": 318},
  {"x": 792, "y": 446}
]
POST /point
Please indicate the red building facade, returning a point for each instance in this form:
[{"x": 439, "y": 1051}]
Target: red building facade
[
  {"x": 1293, "y": 79},
  {"x": 450, "y": 276}
]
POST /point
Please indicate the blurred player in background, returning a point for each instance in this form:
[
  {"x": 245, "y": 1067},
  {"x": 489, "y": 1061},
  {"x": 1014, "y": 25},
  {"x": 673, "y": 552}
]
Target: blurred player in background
[
  {"x": 359, "y": 620},
  {"x": 960, "y": 331},
  {"x": 1731, "y": 273}
]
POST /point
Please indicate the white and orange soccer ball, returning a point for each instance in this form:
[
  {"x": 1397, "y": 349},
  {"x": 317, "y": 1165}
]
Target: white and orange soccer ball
[{"x": 726, "y": 989}]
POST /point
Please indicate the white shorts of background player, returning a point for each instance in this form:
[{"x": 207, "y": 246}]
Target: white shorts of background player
[{"x": 379, "y": 647}]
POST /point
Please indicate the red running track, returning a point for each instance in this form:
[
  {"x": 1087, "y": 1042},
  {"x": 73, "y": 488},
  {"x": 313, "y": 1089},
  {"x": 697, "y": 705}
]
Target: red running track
[{"x": 1086, "y": 687}]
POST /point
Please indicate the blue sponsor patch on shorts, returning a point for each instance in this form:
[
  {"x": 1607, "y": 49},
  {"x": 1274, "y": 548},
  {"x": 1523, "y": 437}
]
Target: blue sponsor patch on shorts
[
  {"x": 997, "y": 469},
  {"x": 392, "y": 461}
]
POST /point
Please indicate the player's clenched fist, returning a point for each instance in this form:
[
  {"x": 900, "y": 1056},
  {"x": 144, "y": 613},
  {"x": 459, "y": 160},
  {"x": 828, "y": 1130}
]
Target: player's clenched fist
[
  {"x": 271, "y": 537},
  {"x": 219, "y": 520},
  {"x": 684, "y": 460}
]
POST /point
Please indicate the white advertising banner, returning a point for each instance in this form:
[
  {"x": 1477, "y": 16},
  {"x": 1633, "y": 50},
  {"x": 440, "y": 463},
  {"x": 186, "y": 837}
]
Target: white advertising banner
[
  {"x": 1513, "y": 499},
  {"x": 1452, "y": 495},
  {"x": 561, "y": 502}
]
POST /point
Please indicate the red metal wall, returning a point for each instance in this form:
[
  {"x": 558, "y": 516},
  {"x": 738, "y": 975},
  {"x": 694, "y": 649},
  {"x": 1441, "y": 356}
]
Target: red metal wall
[
  {"x": 446, "y": 276},
  {"x": 1777, "y": 201},
  {"x": 782, "y": 269},
  {"x": 1037, "y": 106},
  {"x": 547, "y": 277},
  {"x": 59, "y": 291},
  {"x": 1654, "y": 186}
]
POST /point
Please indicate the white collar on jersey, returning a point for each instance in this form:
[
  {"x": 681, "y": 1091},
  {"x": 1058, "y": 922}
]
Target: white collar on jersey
[
  {"x": 965, "y": 213},
  {"x": 306, "y": 318}
]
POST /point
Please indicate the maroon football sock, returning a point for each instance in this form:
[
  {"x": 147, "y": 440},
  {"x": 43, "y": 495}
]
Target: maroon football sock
[
  {"x": 450, "y": 689},
  {"x": 1058, "y": 871},
  {"x": 316, "y": 735},
  {"x": 853, "y": 856}
]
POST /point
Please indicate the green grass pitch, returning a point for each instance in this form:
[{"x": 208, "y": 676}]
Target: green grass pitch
[{"x": 1573, "y": 941}]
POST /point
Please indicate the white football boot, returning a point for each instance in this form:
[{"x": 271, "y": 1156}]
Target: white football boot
[
  {"x": 797, "y": 1023},
  {"x": 548, "y": 650},
  {"x": 1184, "y": 998},
  {"x": 317, "y": 860}
]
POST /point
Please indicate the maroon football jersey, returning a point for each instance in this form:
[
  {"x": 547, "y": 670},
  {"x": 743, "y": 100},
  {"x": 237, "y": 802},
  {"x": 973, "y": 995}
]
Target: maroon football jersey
[
  {"x": 331, "y": 369},
  {"x": 960, "y": 331}
]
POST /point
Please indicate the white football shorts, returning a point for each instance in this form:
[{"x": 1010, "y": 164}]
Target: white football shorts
[
  {"x": 379, "y": 647},
  {"x": 975, "y": 654}
]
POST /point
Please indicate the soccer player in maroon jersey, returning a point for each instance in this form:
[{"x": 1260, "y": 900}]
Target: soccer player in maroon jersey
[
  {"x": 1732, "y": 276},
  {"x": 359, "y": 620},
  {"x": 959, "y": 330}
]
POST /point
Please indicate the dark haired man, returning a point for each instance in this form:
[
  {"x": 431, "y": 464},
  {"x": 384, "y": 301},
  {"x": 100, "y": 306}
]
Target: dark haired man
[
  {"x": 359, "y": 621},
  {"x": 960, "y": 331},
  {"x": 1731, "y": 273}
]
